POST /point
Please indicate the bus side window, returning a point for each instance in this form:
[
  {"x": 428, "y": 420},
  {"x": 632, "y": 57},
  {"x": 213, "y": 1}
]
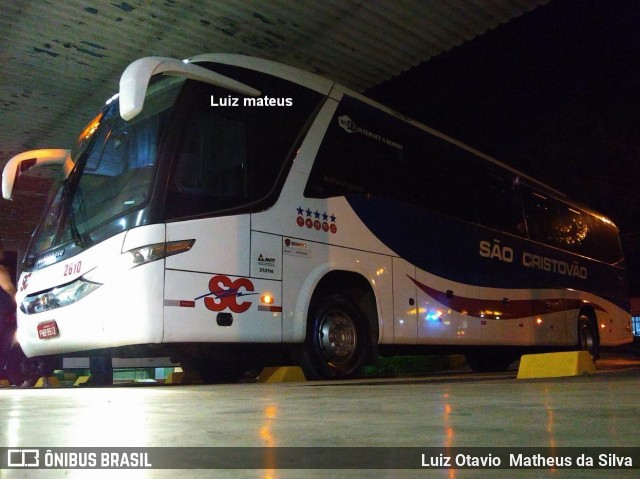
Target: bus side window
[
  {"x": 443, "y": 179},
  {"x": 572, "y": 228},
  {"x": 354, "y": 164},
  {"x": 210, "y": 173},
  {"x": 499, "y": 204},
  {"x": 543, "y": 217},
  {"x": 602, "y": 240}
]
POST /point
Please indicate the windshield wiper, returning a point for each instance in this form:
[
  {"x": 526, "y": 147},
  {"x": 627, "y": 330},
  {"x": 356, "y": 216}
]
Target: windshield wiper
[
  {"x": 69, "y": 186},
  {"x": 67, "y": 196}
]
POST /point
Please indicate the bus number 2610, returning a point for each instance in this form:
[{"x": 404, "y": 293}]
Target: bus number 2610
[{"x": 72, "y": 268}]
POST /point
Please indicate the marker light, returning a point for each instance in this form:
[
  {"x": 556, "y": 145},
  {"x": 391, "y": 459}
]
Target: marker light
[
  {"x": 154, "y": 252},
  {"x": 137, "y": 257},
  {"x": 266, "y": 298},
  {"x": 91, "y": 128}
]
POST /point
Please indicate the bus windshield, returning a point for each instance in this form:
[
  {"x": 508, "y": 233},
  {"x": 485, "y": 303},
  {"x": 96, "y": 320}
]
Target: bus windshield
[
  {"x": 217, "y": 154},
  {"x": 114, "y": 167}
]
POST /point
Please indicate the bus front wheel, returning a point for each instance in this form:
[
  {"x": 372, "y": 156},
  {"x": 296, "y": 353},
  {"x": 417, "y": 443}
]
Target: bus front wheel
[{"x": 336, "y": 343}]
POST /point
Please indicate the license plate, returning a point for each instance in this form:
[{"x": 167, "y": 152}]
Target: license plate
[{"x": 48, "y": 329}]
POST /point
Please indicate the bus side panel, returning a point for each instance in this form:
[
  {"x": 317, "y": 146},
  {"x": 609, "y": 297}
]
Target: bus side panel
[
  {"x": 219, "y": 308},
  {"x": 614, "y": 326},
  {"x": 405, "y": 308},
  {"x": 222, "y": 245},
  {"x": 443, "y": 316},
  {"x": 209, "y": 294},
  {"x": 266, "y": 255},
  {"x": 613, "y": 321}
]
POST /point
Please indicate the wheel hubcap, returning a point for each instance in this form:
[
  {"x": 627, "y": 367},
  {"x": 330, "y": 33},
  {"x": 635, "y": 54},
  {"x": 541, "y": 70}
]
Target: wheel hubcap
[{"x": 338, "y": 337}]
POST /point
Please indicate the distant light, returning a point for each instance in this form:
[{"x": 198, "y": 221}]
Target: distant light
[
  {"x": 91, "y": 128},
  {"x": 435, "y": 316},
  {"x": 186, "y": 60}
]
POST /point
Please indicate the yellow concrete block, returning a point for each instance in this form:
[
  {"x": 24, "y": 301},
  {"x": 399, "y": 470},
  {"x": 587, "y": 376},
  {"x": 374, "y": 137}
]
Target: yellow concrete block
[
  {"x": 174, "y": 377},
  {"x": 81, "y": 380},
  {"x": 51, "y": 382},
  {"x": 286, "y": 374},
  {"x": 554, "y": 365},
  {"x": 4, "y": 383},
  {"x": 183, "y": 377}
]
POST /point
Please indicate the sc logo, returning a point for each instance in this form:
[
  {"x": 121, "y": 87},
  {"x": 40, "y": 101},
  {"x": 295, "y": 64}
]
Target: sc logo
[{"x": 225, "y": 293}]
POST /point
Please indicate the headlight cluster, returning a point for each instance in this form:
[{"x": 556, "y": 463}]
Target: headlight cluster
[
  {"x": 70, "y": 293},
  {"x": 58, "y": 297}
]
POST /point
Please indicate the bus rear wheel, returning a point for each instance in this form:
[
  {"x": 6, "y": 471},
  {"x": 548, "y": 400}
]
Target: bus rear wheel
[
  {"x": 336, "y": 346},
  {"x": 588, "y": 336}
]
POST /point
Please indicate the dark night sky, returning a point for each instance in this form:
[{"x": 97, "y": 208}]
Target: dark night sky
[{"x": 554, "y": 93}]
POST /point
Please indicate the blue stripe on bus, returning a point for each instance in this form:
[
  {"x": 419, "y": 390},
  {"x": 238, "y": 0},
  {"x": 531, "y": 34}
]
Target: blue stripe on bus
[{"x": 450, "y": 248}]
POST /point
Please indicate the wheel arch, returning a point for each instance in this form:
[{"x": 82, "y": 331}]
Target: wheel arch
[
  {"x": 590, "y": 313},
  {"x": 356, "y": 288}
]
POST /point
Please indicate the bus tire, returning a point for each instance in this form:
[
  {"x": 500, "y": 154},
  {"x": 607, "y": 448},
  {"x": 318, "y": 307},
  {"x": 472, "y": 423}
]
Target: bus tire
[
  {"x": 337, "y": 343},
  {"x": 588, "y": 337}
]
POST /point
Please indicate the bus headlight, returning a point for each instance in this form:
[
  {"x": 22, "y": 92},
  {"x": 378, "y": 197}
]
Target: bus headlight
[
  {"x": 58, "y": 297},
  {"x": 70, "y": 293}
]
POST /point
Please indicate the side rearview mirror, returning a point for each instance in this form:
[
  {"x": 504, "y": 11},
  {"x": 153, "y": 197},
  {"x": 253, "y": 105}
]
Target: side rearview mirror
[{"x": 23, "y": 162}]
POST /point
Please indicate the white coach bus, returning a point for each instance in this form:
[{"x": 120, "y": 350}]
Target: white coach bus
[{"x": 232, "y": 212}]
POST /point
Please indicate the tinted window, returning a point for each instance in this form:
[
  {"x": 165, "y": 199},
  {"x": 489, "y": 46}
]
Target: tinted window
[
  {"x": 355, "y": 157},
  {"x": 444, "y": 179},
  {"x": 230, "y": 155},
  {"x": 368, "y": 151},
  {"x": 589, "y": 235},
  {"x": 559, "y": 224},
  {"x": 499, "y": 203},
  {"x": 542, "y": 216},
  {"x": 115, "y": 170}
]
